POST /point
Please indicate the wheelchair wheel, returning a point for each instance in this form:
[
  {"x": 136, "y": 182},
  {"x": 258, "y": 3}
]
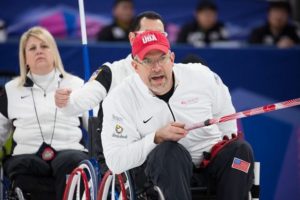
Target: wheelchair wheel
[
  {"x": 159, "y": 192},
  {"x": 7, "y": 191},
  {"x": 19, "y": 193},
  {"x": 121, "y": 189},
  {"x": 129, "y": 185}
]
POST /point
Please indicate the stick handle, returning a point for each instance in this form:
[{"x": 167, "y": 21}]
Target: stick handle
[
  {"x": 246, "y": 113},
  {"x": 85, "y": 50},
  {"x": 82, "y": 22},
  {"x": 86, "y": 60}
]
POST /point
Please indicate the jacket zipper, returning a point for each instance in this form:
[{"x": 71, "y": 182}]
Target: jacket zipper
[{"x": 171, "y": 112}]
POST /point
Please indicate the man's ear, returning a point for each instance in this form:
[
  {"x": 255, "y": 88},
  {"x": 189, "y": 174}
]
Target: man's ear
[
  {"x": 172, "y": 56},
  {"x": 134, "y": 65},
  {"x": 131, "y": 37}
]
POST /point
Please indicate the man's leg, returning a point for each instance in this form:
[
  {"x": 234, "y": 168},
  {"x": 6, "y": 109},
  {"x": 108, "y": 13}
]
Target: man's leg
[
  {"x": 170, "y": 167},
  {"x": 232, "y": 170}
]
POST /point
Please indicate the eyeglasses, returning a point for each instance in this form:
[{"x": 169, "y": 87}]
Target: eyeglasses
[
  {"x": 139, "y": 32},
  {"x": 149, "y": 63}
]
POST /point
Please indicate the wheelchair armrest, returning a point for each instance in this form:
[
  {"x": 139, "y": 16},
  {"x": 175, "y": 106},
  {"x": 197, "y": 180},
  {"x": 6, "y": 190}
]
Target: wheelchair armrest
[{"x": 94, "y": 137}]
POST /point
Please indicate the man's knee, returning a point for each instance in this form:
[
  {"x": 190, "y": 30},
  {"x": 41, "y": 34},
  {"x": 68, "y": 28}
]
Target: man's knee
[
  {"x": 170, "y": 162},
  {"x": 171, "y": 157},
  {"x": 244, "y": 148},
  {"x": 171, "y": 152}
]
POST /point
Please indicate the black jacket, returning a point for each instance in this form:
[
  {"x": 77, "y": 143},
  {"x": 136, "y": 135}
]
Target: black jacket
[
  {"x": 114, "y": 33},
  {"x": 193, "y": 34},
  {"x": 263, "y": 35}
]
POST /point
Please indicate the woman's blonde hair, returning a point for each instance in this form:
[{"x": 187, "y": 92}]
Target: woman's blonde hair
[{"x": 44, "y": 35}]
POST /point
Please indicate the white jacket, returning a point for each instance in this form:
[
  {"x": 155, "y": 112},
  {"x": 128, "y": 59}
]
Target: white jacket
[
  {"x": 132, "y": 114},
  {"x": 17, "y": 109},
  {"x": 93, "y": 92}
]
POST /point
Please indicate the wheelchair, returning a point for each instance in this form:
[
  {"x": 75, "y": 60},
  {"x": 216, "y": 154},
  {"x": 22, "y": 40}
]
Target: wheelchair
[
  {"x": 11, "y": 189},
  {"x": 125, "y": 188},
  {"x": 25, "y": 186},
  {"x": 112, "y": 184}
]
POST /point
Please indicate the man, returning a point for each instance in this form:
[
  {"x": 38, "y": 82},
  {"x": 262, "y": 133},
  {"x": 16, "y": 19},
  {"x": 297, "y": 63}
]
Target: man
[
  {"x": 105, "y": 79},
  {"x": 145, "y": 118},
  {"x": 107, "y": 76},
  {"x": 123, "y": 13},
  {"x": 277, "y": 30}
]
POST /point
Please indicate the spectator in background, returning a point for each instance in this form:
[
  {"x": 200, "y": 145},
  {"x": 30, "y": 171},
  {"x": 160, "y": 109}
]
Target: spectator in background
[
  {"x": 123, "y": 13},
  {"x": 277, "y": 30},
  {"x": 206, "y": 28}
]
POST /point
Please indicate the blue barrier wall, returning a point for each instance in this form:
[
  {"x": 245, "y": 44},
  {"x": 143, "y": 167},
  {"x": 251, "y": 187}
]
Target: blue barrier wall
[
  {"x": 266, "y": 71},
  {"x": 256, "y": 76}
]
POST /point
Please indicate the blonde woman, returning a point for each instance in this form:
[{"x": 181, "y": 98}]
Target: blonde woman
[{"x": 47, "y": 143}]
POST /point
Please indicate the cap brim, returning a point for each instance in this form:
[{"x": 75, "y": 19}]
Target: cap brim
[{"x": 159, "y": 47}]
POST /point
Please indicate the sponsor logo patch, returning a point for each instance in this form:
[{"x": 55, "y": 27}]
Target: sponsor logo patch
[
  {"x": 118, "y": 132},
  {"x": 119, "y": 129}
]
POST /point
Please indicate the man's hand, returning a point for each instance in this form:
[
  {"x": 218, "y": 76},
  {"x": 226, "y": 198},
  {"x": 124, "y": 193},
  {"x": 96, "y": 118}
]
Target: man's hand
[
  {"x": 173, "y": 131},
  {"x": 62, "y": 97}
]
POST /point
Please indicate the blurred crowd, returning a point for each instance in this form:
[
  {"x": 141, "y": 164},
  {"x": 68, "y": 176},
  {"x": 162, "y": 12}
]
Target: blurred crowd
[{"x": 206, "y": 29}]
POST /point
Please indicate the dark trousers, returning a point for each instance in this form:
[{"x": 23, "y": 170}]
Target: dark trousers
[
  {"x": 20, "y": 166},
  {"x": 230, "y": 183},
  {"x": 170, "y": 167}
]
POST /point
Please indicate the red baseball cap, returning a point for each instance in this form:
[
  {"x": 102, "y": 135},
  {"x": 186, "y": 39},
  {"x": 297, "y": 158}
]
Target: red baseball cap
[{"x": 147, "y": 41}]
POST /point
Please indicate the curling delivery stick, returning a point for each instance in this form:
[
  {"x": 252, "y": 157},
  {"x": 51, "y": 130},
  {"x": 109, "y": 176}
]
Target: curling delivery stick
[
  {"x": 246, "y": 113},
  {"x": 84, "y": 41},
  {"x": 85, "y": 50}
]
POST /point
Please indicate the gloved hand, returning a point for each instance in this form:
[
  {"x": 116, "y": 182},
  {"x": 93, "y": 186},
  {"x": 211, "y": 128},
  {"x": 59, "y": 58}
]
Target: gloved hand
[
  {"x": 208, "y": 157},
  {"x": 233, "y": 135}
]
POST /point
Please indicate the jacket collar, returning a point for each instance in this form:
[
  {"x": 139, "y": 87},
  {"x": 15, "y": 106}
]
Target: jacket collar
[{"x": 28, "y": 82}]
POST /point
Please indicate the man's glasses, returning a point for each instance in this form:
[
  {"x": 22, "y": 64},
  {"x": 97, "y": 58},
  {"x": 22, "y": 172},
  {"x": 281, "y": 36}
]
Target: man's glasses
[{"x": 149, "y": 63}]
